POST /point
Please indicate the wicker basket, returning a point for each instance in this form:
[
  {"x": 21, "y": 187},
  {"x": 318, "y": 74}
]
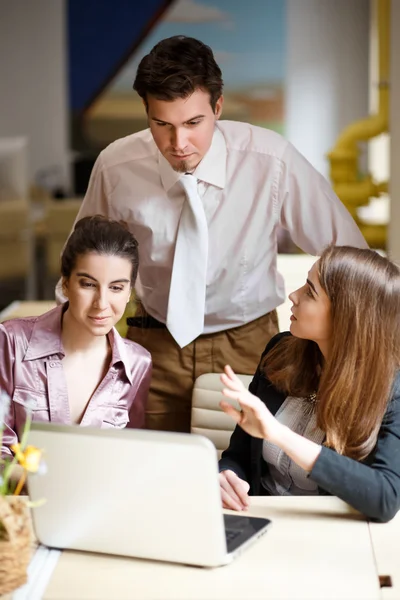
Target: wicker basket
[{"x": 15, "y": 542}]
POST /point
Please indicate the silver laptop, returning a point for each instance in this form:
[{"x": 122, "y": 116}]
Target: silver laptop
[{"x": 146, "y": 494}]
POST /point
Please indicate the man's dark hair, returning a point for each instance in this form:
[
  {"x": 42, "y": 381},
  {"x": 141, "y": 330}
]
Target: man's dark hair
[{"x": 175, "y": 68}]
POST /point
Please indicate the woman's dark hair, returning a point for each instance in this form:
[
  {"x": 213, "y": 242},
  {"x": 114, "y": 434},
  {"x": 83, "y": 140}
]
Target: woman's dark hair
[
  {"x": 102, "y": 236},
  {"x": 175, "y": 68}
]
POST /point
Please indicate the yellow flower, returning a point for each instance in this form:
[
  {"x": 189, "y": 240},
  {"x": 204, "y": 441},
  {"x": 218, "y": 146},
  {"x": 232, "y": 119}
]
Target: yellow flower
[{"x": 29, "y": 459}]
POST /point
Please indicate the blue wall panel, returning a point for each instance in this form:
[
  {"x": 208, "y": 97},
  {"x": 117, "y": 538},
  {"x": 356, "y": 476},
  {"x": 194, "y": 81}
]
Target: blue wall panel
[{"x": 102, "y": 34}]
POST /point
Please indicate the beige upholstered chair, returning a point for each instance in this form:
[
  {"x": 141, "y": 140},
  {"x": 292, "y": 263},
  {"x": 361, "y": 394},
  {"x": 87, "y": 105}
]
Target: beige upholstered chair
[
  {"x": 207, "y": 417},
  {"x": 14, "y": 237},
  {"x": 16, "y": 242}
]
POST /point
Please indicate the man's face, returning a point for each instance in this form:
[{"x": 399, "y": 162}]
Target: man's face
[{"x": 183, "y": 128}]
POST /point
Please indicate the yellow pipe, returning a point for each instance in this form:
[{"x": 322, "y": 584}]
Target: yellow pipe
[
  {"x": 356, "y": 192},
  {"x": 383, "y": 187},
  {"x": 344, "y": 170},
  {"x": 346, "y": 145},
  {"x": 375, "y": 234}
]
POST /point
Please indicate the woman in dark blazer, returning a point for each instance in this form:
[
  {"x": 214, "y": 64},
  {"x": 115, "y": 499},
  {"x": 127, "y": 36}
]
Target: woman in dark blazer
[{"x": 322, "y": 414}]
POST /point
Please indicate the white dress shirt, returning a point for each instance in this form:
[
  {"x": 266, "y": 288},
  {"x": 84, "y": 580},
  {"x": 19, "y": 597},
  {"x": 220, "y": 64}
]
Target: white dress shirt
[{"x": 251, "y": 180}]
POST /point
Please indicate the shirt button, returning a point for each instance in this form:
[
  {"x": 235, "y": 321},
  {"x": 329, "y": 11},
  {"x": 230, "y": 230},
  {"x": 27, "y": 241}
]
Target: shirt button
[{"x": 52, "y": 364}]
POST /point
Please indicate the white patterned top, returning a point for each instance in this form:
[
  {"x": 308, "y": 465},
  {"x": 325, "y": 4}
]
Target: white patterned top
[{"x": 285, "y": 477}]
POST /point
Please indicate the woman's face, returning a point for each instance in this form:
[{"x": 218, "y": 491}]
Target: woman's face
[
  {"x": 98, "y": 290},
  {"x": 311, "y": 312}
]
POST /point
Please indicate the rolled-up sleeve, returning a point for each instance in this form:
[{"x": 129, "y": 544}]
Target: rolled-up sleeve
[{"x": 310, "y": 210}]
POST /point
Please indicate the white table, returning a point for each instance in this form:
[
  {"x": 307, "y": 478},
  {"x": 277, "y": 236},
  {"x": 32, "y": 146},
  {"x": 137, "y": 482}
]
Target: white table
[
  {"x": 317, "y": 548},
  {"x": 386, "y": 544}
]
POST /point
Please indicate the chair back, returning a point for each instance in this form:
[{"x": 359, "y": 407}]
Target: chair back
[{"x": 207, "y": 417}]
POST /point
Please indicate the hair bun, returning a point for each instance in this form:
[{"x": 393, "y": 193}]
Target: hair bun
[
  {"x": 124, "y": 224},
  {"x": 93, "y": 218}
]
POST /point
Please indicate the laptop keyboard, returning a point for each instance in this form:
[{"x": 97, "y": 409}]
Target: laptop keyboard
[
  {"x": 239, "y": 529},
  {"x": 231, "y": 534}
]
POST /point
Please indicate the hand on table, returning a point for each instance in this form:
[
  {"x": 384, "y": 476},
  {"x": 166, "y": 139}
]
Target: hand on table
[{"x": 234, "y": 491}]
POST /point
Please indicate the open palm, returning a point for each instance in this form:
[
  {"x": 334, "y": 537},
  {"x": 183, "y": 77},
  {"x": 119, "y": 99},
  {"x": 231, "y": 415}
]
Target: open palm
[{"x": 254, "y": 418}]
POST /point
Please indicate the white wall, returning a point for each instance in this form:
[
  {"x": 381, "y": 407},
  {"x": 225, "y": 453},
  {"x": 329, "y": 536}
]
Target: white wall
[
  {"x": 33, "y": 87},
  {"x": 379, "y": 146},
  {"x": 327, "y": 72},
  {"x": 394, "y": 185}
]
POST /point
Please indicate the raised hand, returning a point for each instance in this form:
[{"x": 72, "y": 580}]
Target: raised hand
[{"x": 254, "y": 418}]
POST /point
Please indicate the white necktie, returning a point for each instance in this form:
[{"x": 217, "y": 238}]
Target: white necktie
[{"x": 187, "y": 294}]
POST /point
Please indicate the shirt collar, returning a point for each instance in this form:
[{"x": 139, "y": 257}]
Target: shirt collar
[
  {"x": 46, "y": 335},
  {"x": 168, "y": 176},
  {"x": 212, "y": 169},
  {"x": 46, "y": 340},
  {"x": 119, "y": 353}
]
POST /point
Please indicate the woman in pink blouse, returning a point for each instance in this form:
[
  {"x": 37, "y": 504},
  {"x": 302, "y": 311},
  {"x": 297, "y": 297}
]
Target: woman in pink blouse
[{"x": 70, "y": 365}]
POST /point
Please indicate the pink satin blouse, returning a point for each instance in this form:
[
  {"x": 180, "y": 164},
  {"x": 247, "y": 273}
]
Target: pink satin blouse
[{"x": 31, "y": 372}]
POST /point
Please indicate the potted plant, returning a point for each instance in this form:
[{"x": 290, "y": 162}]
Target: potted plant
[{"x": 16, "y": 538}]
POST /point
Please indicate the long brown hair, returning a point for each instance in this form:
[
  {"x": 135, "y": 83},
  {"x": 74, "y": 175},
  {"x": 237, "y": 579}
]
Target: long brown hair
[{"x": 353, "y": 385}]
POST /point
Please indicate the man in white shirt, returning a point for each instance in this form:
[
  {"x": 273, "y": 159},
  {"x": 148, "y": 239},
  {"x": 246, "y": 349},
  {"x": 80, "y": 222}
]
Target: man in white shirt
[{"x": 205, "y": 198}]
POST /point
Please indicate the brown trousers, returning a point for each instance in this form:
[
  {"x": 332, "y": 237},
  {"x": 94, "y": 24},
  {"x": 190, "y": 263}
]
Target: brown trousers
[{"x": 175, "y": 369}]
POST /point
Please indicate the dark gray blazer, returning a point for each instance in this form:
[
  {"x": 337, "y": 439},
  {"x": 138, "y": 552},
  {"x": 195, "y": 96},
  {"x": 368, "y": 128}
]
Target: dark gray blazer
[{"x": 371, "y": 486}]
